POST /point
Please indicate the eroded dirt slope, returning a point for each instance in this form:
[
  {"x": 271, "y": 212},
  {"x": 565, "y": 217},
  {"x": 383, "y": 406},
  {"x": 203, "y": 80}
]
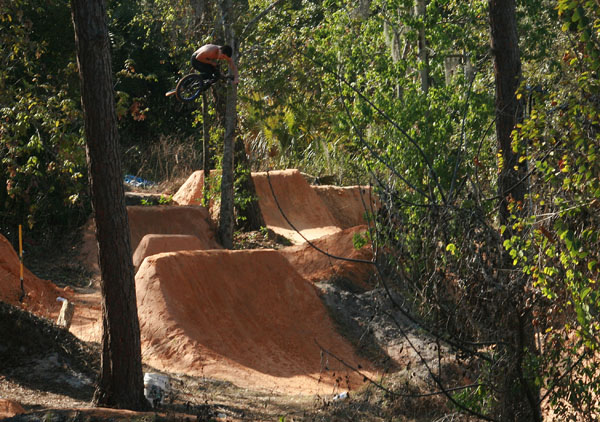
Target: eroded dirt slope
[
  {"x": 39, "y": 295},
  {"x": 336, "y": 259}
]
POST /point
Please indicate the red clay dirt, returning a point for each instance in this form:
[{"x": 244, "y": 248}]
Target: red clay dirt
[
  {"x": 190, "y": 193},
  {"x": 152, "y": 244},
  {"x": 190, "y": 220},
  {"x": 348, "y": 204},
  {"x": 244, "y": 316},
  {"x": 143, "y": 220},
  {"x": 40, "y": 295},
  {"x": 250, "y": 317},
  {"x": 314, "y": 210},
  {"x": 300, "y": 204},
  {"x": 316, "y": 266},
  {"x": 10, "y": 408}
]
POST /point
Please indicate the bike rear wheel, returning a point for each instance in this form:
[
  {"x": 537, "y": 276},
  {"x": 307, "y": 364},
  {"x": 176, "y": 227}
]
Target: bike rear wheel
[{"x": 189, "y": 87}]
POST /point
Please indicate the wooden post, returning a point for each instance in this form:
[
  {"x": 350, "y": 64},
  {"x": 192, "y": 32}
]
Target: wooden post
[{"x": 66, "y": 313}]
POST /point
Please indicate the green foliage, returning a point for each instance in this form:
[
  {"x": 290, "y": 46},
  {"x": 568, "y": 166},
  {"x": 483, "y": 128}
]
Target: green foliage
[
  {"x": 359, "y": 240},
  {"x": 333, "y": 88},
  {"x": 151, "y": 49},
  {"x": 559, "y": 242},
  {"x": 43, "y": 176}
]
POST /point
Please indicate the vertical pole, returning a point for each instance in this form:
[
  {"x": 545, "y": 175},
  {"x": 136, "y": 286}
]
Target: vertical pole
[
  {"x": 205, "y": 152},
  {"x": 21, "y": 261}
]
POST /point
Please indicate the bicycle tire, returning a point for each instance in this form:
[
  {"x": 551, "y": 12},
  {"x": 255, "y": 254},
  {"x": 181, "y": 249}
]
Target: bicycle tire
[{"x": 189, "y": 87}]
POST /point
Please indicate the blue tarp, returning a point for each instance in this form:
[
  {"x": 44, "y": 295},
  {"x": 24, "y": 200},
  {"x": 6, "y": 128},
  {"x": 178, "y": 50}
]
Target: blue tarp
[{"x": 138, "y": 182}]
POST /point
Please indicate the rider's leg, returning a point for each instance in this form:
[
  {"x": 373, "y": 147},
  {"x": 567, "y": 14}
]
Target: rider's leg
[{"x": 208, "y": 71}]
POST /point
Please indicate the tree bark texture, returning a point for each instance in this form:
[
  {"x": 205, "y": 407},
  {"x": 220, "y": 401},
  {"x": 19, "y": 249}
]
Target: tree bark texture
[
  {"x": 121, "y": 380},
  {"x": 509, "y": 110},
  {"x": 226, "y": 218},
  {"x": 420, "y": 8},
  {"x": 253, "y": 218},
  {"x": 206, "y": 155},
  {"x": 517, "y": 395}
]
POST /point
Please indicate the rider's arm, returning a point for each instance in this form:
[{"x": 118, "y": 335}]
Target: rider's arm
[{"x": 232, "y": 68}]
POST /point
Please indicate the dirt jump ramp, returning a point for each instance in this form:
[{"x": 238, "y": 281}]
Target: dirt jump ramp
[
  {"x": 243, "y": 316},
  {"x": 348, "y": 204},
  {"x": 157, "y": 220},
  {"x": 189, "y": 220},
  {"x": 190, "y": 193},
  {"x": 152, "y": 244},
  {"x": 298, "y": 201}
]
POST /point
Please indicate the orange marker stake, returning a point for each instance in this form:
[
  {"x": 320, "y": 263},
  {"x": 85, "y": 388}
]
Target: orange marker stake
[{"x": 21, "y": 259}]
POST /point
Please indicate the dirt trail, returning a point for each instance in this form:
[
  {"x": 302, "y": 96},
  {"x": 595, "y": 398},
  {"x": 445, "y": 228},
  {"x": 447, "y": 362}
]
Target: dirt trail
[{"x": 251, "y": 317}]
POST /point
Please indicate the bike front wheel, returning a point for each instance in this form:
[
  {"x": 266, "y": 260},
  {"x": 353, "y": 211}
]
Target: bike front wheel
[{"x": 189, "y": 87}]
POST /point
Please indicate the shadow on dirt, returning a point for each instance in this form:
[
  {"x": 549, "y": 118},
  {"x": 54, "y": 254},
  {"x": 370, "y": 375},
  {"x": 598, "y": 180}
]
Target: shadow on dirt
[{"x": 38, "y": 354}]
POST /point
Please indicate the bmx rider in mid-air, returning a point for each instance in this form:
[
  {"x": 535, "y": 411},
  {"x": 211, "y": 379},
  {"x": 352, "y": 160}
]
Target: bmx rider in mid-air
[{"x": 204, "y": 60}]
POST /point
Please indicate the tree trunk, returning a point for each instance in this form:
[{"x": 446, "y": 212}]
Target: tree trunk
[
  {"x": 121, "y": 381},
  {"x": 252, "y": 218},
  {"x": 509, "y": 111},
  {"x": 420, "y": 8},
  {"x": 206, "y": 167},
  {"x": 517, "y": 396},
  {"x": 226, "y": 217}
]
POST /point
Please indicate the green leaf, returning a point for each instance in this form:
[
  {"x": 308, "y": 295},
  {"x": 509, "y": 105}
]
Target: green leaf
[{"x": 451, "y": 247}]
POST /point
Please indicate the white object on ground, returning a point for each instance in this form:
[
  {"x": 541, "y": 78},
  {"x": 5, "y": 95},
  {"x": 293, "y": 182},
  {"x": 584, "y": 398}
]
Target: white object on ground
[
  {"x": 341, "y": 396},
  {"x": 156, "y": 387}
]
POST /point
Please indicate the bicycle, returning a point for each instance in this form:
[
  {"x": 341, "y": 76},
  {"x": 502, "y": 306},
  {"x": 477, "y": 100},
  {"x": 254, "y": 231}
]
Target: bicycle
[{"x": 192, "y": 85}]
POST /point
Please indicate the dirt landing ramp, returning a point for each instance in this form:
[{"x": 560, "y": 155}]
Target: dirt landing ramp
[
  {"x": 301, "y": 205},
  {"x": 316, "y": 266},
  {"x": 40, "y": 295},
  {"x": 348, "y": 204},
  {"x": 143, "y": 220},
  {"x": 151, "y": 244},
  {"x": 243, "y": 316},
  {"x": 190, "y": 220}
]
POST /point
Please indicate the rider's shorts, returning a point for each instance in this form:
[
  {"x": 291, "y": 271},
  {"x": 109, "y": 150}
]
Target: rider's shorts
[{"x": 204, "y": 68}]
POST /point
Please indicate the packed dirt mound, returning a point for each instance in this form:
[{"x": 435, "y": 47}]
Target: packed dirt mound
[
  {"x": 190, "y": 193},
  {"x": 143, "y": 220},
  {"x": 152, "y": 244},
  {"x": 314, "y": 210},
  {"x": 348, "y": 204},
  {"x": 40, "y": 295},
  {"x": 243, "y": 316},
  {"x": 315, "y": 266},
  {"x": 190, "y": 220},
  {"x": 298, "y": 201}
]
